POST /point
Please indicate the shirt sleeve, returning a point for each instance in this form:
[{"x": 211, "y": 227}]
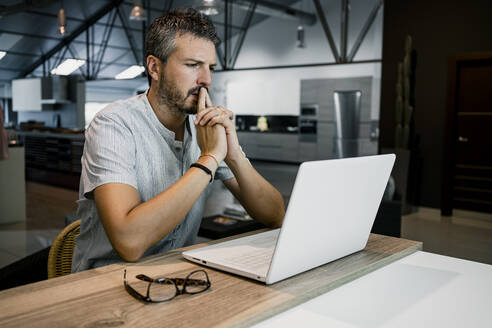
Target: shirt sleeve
[{"x": 109, "y": 154}]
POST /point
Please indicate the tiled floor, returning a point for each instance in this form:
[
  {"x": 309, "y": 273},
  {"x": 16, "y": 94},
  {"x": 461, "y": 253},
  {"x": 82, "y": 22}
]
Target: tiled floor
[
  {"x": 465, "y": 235},
  {"x": 46, "y": 209}
]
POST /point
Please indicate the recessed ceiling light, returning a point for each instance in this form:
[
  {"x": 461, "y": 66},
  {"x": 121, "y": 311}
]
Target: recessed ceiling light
[
  {"x": 2, "y": 54},
  {"x": 130, "y": 72},
  {"x": 68, "y": 66}
]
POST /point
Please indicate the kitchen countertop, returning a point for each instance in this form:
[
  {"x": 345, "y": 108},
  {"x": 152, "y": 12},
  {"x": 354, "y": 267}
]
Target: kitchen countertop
[
  {"x": 282, "y": 130},
  {"x": 73, "y": 136}
]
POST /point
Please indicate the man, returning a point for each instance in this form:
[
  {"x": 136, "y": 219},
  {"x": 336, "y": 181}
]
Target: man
[{"x": 148, "y": 163}]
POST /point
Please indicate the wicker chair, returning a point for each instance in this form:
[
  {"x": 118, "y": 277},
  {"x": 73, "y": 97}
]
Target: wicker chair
[{"x": 60, "y": 257}]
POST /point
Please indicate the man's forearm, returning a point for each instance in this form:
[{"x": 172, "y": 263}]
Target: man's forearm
[
  {"x": 134, "y": 230},
  {"x": 260, "y": 199}
]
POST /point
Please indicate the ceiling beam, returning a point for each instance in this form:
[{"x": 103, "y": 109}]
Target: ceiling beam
[
  {"x": 100, "y": 55},
  {"x": 274, "y": 9},
  {"x": 10, "y": 69},
  {"x": 65, "y": 41},
  {"x": 106, "y": 64},
  {"x": 17, "y": 53},
  {"x": 23, "y": 6},
  {"x": 365, "y": 29},
  {"x": 45, "y": 37},
  {"x": 227, "y": 22},
  {"x": 168, "y": 7},
  {"x": 327, "y": 30},
  {"x": 75, "y": 19},
  {"x": 246, "y": 24},
  {"x": 344, "y": 22},
  {"x": 129, "y": 35}
]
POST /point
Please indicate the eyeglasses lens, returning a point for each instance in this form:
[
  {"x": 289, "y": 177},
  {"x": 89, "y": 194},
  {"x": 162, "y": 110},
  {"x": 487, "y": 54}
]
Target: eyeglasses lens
[
  {"x": 161, "y": 291},
  {"x": 197, "y": 282}
]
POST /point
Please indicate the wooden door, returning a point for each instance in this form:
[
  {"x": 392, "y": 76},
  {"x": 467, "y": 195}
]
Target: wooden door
[{"x": 469, "y": 133}]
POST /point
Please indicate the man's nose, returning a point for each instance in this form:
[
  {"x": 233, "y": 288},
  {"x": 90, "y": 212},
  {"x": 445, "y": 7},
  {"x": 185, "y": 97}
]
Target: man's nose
[{"x": 205, "y": 77}]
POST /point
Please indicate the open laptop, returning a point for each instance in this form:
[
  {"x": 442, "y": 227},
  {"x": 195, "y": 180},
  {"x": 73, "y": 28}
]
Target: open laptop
[{"x": 330, "y": 214}]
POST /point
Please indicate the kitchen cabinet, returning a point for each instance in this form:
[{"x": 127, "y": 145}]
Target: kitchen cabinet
[
  {"x": 270, "y": 146},
  {"x": 53, "y": 158},
  {"x": 308, "y": 151}
]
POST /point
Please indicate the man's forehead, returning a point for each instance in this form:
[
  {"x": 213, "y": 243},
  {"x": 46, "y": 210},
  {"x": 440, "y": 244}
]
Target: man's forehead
[{"x": 191, "y": 43}]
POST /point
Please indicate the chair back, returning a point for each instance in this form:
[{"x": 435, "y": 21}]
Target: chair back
[{"x": 60, "y": 257}]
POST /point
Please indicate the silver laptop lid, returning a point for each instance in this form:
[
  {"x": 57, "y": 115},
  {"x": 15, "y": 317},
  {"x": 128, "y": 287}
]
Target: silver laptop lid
[{"x": 331, "y": 211}]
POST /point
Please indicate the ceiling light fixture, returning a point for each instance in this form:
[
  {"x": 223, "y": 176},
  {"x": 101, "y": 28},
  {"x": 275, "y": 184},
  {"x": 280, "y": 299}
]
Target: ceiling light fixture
[
  {"x": 300, "y": 43},
  {"x": 68, "y": 66},
  {"x": 209, "y": 8},
  {"x": 138, "y": 12},
  {"x": 300, "y": 37},
  {"x": 130, "y": 72},
  {"x": 2, "y": 54},
  {"x": 62, "y": 21}
]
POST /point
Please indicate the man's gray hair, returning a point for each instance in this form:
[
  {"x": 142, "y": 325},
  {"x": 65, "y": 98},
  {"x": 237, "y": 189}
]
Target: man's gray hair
[{"x": 161, "y": 37}]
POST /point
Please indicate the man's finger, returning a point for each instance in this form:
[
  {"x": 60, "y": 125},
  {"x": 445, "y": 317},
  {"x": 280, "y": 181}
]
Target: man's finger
[
  {"x": 229, "y": 113},
  {"x": 202, "y": 99},
  {"x": 208, "y": 100},
  {"x": 203, "y": 117}
]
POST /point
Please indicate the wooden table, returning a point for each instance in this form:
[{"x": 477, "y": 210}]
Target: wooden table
[{"x": 97, "y": 298}]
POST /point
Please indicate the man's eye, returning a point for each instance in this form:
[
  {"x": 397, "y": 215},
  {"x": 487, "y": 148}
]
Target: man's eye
[
  {"x": 212, "y": 68},
  {"x": 192, "y": 65}
]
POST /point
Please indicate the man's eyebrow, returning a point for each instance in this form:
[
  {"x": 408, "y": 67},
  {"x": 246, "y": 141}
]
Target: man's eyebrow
[
  {"x": 195, "y": 60},
  {"x": 198, "y": 61}
]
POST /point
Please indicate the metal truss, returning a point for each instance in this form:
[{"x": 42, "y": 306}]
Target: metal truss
[
  {"x": 46, "y": 37},
  {"x": 365, "y": 29},
  {"x": 227, "y": 32},
  {"x": 75, "y": 19},
  {"x": 23, "y": 6},
  {"x": 67, "y": 40},
  {"x": 129, "y": 35},
  {"x": 343, "y": 58},
  {"x": 100, "y": 55},
  {"x": 326, "y": 29},
  {"x": 245, "y": 28}
]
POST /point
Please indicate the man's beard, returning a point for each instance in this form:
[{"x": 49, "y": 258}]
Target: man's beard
[{"x": 170, "y": 95}]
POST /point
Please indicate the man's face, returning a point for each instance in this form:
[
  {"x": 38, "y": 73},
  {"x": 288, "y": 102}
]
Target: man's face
[{"x": 187, "y": 69}]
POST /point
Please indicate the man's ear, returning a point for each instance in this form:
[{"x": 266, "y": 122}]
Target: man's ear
[{"x": 154, "y": 67}]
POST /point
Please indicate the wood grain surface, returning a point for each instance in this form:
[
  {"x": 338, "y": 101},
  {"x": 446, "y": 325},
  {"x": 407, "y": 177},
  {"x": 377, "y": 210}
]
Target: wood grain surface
[{"x": 97, "y": 298}]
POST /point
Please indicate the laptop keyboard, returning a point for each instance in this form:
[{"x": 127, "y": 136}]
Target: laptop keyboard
[
  {"x": 254, "y": 259},
  {"x": 254, "y": 254}
]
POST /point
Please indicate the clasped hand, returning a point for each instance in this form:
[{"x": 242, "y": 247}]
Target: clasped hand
[{"x": 216, "y": 132}]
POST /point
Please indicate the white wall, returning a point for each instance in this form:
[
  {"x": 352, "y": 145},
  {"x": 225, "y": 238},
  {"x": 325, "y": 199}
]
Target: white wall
[{"x": 277, "y": 91}]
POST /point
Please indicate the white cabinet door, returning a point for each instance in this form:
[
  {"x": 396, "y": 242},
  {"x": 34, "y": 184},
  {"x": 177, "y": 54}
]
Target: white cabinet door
[{"x": 26, "y": 95}]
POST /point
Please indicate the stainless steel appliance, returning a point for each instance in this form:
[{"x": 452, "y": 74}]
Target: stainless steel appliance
[
  {"x": 347, "y": 119},
  {"x": 308, "y": 122}
]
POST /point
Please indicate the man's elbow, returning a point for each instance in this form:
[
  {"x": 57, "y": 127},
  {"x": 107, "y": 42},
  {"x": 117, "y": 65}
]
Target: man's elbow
[
  {"x": 278, "y": 222},
  {"x": 278, "y": 219},
  {"x": 128, "y": 252}
]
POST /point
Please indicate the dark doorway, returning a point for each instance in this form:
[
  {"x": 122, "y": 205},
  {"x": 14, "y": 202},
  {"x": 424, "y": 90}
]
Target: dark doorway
[{"x": 468, "y": 146}]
